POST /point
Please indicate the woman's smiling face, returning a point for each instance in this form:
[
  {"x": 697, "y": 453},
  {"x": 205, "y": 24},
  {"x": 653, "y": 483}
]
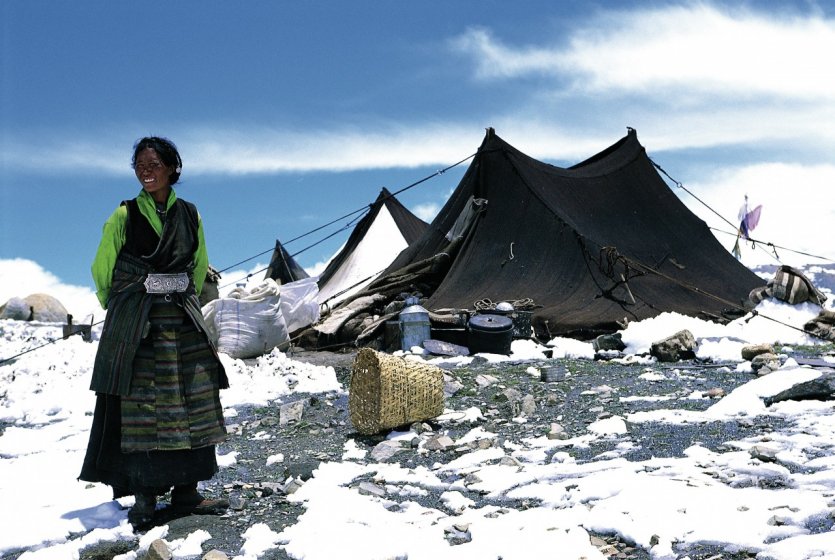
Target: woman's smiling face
[{"x": 153, "y": 174}]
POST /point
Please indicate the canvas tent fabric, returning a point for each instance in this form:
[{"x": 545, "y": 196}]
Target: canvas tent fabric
[
  {"x": 283, "y": 267},
  {"x": 594, "y": 246},
  {"x": 383, "y": 232}
]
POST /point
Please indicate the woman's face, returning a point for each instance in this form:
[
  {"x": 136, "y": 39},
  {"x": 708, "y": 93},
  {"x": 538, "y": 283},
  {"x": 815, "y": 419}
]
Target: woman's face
[{"x": 153, "y": 174}]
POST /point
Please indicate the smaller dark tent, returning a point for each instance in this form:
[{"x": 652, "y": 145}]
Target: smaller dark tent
[
  {"x": 283, "y": 267},
  {"x": 387, "y": 229}
]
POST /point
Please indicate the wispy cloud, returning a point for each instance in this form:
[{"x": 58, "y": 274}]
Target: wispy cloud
[
  {"x": 696, "y": 76},
  {"x": 377, "y": 146},
  {"x": 496, "y": 60},
  {"x": 208, "y": 149},
  {"x": 698, "y": 48}
]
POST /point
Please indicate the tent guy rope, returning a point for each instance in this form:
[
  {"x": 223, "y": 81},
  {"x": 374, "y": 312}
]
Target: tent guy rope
[{"x": 364, "y": 209}]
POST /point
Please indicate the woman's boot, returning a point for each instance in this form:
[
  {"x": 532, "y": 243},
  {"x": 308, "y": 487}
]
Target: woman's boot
[
  {"x": 186, "y": 499},
  {"x": 141, "y": 515}
]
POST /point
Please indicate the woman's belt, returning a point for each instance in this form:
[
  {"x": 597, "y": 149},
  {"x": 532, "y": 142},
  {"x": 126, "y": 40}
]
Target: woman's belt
[{"x": 157, "y": 283}]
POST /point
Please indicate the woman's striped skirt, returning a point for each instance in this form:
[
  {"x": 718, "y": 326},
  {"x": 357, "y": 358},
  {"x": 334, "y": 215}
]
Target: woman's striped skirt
[{"x": 165, "y": 431}]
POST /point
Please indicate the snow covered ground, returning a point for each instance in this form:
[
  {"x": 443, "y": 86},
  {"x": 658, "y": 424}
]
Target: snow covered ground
[{"x": 781, "y": 509}]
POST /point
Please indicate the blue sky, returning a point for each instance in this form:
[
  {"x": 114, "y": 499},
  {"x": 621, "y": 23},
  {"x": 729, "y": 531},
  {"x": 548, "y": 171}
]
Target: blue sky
[{"x": 291, "y": 114}]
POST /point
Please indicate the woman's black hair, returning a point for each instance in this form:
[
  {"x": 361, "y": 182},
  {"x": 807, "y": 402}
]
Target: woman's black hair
[{"x": 165, "y": 149}]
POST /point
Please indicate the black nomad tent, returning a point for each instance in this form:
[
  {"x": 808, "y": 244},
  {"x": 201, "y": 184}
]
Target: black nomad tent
[
  {"x": 283, "y": 267},
  {"x": 383, "y": 232},
  {"x": 592, "y": 247}
]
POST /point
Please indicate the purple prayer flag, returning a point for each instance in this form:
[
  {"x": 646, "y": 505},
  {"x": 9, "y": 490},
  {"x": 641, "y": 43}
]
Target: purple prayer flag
[{"x": 749, "y": 220}]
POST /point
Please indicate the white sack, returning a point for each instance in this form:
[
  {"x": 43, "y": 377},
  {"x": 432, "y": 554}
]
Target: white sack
[
  {"x": 299, "y": 303},
  {"x": 247, "y": 323}
]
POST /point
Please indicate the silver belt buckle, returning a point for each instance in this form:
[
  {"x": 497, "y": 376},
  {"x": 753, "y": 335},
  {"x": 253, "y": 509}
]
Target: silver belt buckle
[{"x": 166, "y": 283}]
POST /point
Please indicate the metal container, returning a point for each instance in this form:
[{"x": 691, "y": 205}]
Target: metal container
[
  {"x": 490, "y": 333},
  {"x": 414, "y": 325},
  {"x": 521, "y": 320}
]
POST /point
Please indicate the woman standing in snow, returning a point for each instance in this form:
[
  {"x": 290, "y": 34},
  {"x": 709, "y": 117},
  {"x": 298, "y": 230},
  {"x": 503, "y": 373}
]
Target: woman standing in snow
[{"x": 157, "y": 377}]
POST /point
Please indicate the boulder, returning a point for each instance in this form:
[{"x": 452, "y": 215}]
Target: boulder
[
  {"x": 765, "y": 363},
  {"x": 15, "y": 309},
  {"x": 46, "y": 308},
  {"x": 822, "y": 326},
  {"x": 612, "y": 341},
  {"x": 34, "y": 307},
  {"x": 158, "y": 550},
  {"x": 680, "y": 346},
  {"x": 751, "y": 351},
  {"x": 820, "y": 389}
]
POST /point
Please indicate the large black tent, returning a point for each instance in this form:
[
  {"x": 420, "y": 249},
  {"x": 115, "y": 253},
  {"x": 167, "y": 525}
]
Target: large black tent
[{"x": 594, "y": 246}]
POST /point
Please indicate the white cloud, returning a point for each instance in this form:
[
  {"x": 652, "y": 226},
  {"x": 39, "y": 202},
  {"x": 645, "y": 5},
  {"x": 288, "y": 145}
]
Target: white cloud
[
  {"x": 703, "y": 48},
  {"x": 695, "y": 76},
  {"x": 268, "y": 150},
  {"x": 497, "y": 60},
  {"x": 699, "y": 48},
  {"x": 339, "y": 149}
]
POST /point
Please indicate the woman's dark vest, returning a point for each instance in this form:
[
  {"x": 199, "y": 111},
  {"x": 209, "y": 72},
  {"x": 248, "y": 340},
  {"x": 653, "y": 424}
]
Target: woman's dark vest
[
  {"x": 174, "y": 251},
  {"x": 128, "y": 304}
]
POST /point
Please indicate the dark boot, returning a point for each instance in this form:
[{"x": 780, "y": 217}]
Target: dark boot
[
  {"x": 186, "y": 499},
  {"x": 141, "y": 515}
]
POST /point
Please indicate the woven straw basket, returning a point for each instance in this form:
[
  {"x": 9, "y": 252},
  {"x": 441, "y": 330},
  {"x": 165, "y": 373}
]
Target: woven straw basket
[{"x": 387, "y": 391}]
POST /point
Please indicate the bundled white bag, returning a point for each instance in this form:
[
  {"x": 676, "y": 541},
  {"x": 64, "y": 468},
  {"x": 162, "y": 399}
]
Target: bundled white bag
[
  {"x": 299, "y": 303},
  {"x": 247, "y": 323}
]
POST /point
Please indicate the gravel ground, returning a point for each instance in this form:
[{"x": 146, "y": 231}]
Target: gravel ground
[{"x": 590, "y": 391}]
